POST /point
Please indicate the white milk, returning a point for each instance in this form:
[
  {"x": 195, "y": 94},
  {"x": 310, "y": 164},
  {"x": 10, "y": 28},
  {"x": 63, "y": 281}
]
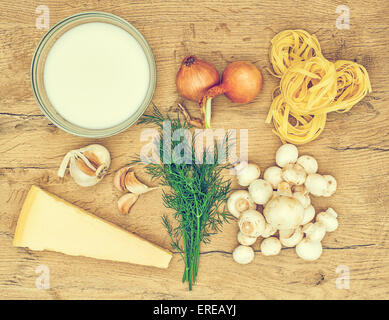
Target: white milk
[{"x": 96, "y": 75}]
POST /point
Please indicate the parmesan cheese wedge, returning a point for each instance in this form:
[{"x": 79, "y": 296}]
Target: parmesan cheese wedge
[{"x": 47, "y": 222}]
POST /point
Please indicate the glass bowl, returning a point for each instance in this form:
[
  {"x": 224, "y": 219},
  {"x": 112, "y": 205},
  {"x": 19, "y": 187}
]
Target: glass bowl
[{"x": 38, "y": 65}]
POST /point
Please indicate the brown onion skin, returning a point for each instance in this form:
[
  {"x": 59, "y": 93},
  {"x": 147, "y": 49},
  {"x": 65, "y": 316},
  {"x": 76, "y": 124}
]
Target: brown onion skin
[
  {"x": 242, "y": 81},
  {"x": 195, "y": 77}
]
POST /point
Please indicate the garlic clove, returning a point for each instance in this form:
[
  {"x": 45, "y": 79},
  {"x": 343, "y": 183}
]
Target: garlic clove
[
  {"x": 118, "y": 179},
  {"x": 133, "y": 185},
  {"x": 77, "y": 172},
  {"x": 126, "y": 201}
]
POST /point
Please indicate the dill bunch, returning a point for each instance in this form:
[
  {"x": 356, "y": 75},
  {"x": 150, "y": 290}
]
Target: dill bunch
[{"x": 197, "y": 192}]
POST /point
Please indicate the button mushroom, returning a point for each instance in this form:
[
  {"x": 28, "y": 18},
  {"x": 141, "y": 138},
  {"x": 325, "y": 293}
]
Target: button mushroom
[
  {"x": 284, "y": 189},
  {"x": 270, "y": 246},
  {"x": 284, "y": 212},
  {"x": 309, "y": 214},
  {"x": 304, "y": 199},
  {"x": 243, "y": 254},
  {"x": 315, "y": 231},
  {"x": 308, "y": 163},
  {"x": 290, "y": 238},
  {"x": 309, "y": 250},
  {"x": 316, "y": 184},
  {"x": 328, "y": 219},
  {"x": 245, "y": 240},
  {"x": 240, "y": 201},
  {"x": 247, "y": 173},
  {"x": 252, "y": 223},
  {"x": 260, "y": 191},
  {"x": 269, "y": 231},
  {"x": 294, "y": 174},
  {"x": 287, "y": 153},
  {"x": 331, "y": 186},
  {"x": 273, "y": 176}
]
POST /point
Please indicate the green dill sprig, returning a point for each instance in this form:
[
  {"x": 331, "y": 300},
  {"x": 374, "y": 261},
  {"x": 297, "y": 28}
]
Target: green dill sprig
[{"x": 197, "y": 193}]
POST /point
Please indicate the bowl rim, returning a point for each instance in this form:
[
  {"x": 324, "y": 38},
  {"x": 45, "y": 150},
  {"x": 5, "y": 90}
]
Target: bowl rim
[{"x": 106, "y": 132}]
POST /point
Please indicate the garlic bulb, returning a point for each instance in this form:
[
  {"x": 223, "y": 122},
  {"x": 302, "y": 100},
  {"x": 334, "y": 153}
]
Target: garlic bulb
[{"x": 87, "y": 166}]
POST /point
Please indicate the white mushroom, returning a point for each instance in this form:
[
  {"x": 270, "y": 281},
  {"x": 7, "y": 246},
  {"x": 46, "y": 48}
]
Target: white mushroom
[
  {"x": 269, "y": 231},
  {"x": 309, "y": 214},
  {"x": 260, "y": 191},
  {"x": 316, "y": 184},
  {"x": 287, "y": 153},
  {"x": 308, "y": 163},
  {"x": 284, "y": 212},
  {"x": 240, "y": 201},
  {"x": 252, "y": 223},
  {"x": 304, "y": 199},
  {"x": 290, "y": 238},
  {"x": 328, "y": 219},
  {"x": 300, "y": 188},
  {"x": 315, "y": 231},
  {"x": 270, "y": 246},
  {"x": 247, "y": 173},
  {"x": 293, "y": 173},
  {"x": 284, "y": 189},
  {"x": 331, "y": 186},
  {"x": 309, "y": 250},
  {"x": 245, "y": 240},
  {"x": 243, "y": 254},
  {"x": 273, "y": 176}
]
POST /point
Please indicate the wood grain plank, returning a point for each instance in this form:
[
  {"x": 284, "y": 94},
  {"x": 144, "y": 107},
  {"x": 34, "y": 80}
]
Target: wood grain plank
[{"x": 354, "y": 148}]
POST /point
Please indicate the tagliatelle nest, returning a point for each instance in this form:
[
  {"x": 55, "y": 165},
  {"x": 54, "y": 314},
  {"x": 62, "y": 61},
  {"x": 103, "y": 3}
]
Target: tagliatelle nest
[
  {"x": 292, "y": 46},
  {"x": 310, "y": 86}
]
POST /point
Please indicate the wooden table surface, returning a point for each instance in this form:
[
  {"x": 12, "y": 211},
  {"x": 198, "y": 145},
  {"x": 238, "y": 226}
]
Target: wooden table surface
[{"x": 354, "y": 148}]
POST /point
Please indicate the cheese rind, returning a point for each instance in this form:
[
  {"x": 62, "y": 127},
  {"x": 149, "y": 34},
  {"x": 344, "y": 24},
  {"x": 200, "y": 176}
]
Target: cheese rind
[{"x": 47, "y": 222}]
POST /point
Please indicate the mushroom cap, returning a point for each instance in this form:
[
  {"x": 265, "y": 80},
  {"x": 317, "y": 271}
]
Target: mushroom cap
[
  {"x": 273, "y": 176},
  {"x": 315, "y": 231},
  {"x": 260, "y": 191},
  {"x": 284, "y": 212},
  {"x": 290, "y": 238},
  {"x": 309, "y": 250},
  {"x": 243, "y": 254},
  {"x": 269, "y": 231},
  {"x": 247, "y": 173},
  {"x": 331, "y": 185},
  {"x": 284, "y": 189},
  {"x": 285, "y": 154},
  {"x": 252, "y": 223},
  {"x": 240, "y": 201},
  {"x": 309, "y": 214},
  {"x": 304, "y": 199},
  {"x": 329, "y": 221},
  {"x": 309, "y": 163},
  {"x": 294, "y": 173},
  {"x": 270, "y": 246},
  {"x": 245, "y": 240},
  {"x": 316, "y": 184}
]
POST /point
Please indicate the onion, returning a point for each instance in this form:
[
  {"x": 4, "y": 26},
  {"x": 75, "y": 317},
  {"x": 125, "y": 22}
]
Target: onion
[
  {"x": 195, "y": 77},
  {"x": 241, "y": 83}
]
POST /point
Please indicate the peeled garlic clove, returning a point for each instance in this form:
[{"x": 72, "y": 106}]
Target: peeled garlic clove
[{"x": 126, "y": 201}]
